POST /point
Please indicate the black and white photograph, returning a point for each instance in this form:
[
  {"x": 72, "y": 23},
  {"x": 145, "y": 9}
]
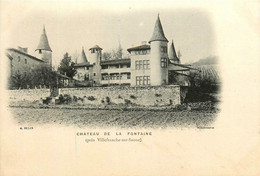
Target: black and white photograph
[
  {"x": 157, "y": 83},
  {"x": 131, "y": 69}
]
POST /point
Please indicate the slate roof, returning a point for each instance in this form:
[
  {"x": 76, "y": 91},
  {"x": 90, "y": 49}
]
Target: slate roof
[
  {"x": 140, "y": 47},
  {"x": 43, "y": 44},
  {"x": 158, "y": 34},
  {"x": 82, "y": 58},
  {"x": 25, "y": 54},
  {"x": 172, "y": 54},
  {"x": 115, "y": 61}
]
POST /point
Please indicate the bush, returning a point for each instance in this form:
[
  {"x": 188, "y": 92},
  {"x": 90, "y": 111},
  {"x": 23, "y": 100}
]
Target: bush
[
  {"x": 158, "y": 95},
  {"x": 132, "y": 96},
  {"x": 128, "y": 102},
  {"x": 107, "y": 100},
  {"x": 91, "y": 98},
  {"x": 75, "y": 99}
]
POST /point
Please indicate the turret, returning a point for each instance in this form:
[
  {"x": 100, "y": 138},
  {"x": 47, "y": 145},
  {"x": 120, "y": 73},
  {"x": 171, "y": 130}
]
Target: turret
[
  {"x": 95, "y": 54},
  {"x": 172, "y": 54},
  {"x": 82, "y": 58},
  {"x": 159, "y": 56},
  {"x": 95, "y": 58},
  {"x": 44, "y": 50}
]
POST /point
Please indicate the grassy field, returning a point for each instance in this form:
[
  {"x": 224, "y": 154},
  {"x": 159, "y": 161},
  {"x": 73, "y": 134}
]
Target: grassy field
[{"x": 113, "y": 118}]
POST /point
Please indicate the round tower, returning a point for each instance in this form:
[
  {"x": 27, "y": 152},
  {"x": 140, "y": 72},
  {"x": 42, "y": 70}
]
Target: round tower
[
  {"x": 95, "y": 58},
  {"x": 95, "y": 54},
  {"x": 44, "y": 50},
  {"x": 159, "y": 56}
]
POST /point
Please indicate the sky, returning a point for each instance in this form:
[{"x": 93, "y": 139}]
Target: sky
[{"x": 71, "y": 26}]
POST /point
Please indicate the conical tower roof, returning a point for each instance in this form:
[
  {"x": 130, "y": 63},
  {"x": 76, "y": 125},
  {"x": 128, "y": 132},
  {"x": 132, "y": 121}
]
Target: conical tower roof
[
  {"x": 82, "y": 58},
  {"x": 43, "y": 44},
  {"x": 172, "y": 53},
  {"x": 158, "y": 34}
]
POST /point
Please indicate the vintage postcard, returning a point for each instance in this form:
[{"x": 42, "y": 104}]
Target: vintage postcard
[{"x": 130, "y": 88}]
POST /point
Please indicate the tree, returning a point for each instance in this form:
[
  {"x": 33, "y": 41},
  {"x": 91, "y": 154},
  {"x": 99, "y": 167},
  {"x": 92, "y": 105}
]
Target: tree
[
  {"x": 114, "y": 54},
  {"x": 44, "y": 75},
  {"x": 66, "y": 66}
]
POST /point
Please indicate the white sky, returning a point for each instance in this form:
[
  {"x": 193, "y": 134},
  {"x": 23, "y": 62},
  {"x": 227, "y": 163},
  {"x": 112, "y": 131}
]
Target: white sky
[{"x": 69, "y": 26}]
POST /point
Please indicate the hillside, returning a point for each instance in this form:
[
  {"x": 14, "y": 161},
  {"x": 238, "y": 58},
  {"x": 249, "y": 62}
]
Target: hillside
[
  {"x": 210, "y": 60},
  {"x": 209, "y": 68}
]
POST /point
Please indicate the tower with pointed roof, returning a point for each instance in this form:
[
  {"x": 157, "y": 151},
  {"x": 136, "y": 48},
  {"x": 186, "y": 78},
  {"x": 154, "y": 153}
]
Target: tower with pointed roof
[
  {"x": 82, "y": 58},
  {"x": 159, "y": 55},
  {"x": 44, "y": 50},
  {"x": 172, "y": 54},
  {"x": 95, "y": 59}
]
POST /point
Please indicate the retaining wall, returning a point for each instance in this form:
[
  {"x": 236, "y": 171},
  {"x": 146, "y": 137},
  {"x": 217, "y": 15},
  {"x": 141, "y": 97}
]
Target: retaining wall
[{"x": 148, "y": 96}]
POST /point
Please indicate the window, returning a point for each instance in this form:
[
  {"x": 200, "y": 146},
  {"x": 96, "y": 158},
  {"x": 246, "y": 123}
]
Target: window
[
  {"x": 128, "y": 75},
  {"x": 142, "y": 64},
  {"x": 94, "y": 74},
  {"x": 164, "y": 62},
  {"x": 40, "y": 51},
  {"x": 164, "y": 49},
  {"x": 142, "y": 52},
  {"x": 19, "y": 58},
  {"x": 139, "y": 80},
  {"x": 143, "y": 80},
  {"x": 146, "y": 64},
  {"x": 25, "y": 61},
  {"x": 137, "y": 65}
]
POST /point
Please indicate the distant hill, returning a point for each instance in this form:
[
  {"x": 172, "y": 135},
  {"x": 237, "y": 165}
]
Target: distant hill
[
  {"x": 210, "y": 60},
  {"x": 208, "y": 68}
]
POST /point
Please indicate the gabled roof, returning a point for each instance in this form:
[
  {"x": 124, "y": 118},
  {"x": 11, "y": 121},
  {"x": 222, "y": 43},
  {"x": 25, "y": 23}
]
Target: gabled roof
[
  {"x": 158, "y": 34},
  {"x": 25, "y": 54},
  {"x": 43, "y": 44},
  {"x": 172, "y": 54},
  {"x": 140, "y": 47},
  {"x": 95, "y": 47},
  {"x": 82, "y": 58}
]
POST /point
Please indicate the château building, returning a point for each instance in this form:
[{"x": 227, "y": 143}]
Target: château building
[{"x": 148, "y": 64}]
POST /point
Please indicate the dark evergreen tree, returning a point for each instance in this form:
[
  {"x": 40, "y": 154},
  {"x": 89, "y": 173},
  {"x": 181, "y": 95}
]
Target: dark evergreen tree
[{"x": 66, "y": 66}]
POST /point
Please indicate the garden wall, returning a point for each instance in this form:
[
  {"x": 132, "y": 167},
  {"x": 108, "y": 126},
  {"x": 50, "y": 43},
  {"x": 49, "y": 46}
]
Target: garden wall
[
  {"x": 28, "y": 94},
  {"x": 148, "y": 96}
]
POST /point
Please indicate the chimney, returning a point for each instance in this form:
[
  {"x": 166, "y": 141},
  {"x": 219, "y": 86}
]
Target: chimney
[{"x": 25, "y": 50}]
